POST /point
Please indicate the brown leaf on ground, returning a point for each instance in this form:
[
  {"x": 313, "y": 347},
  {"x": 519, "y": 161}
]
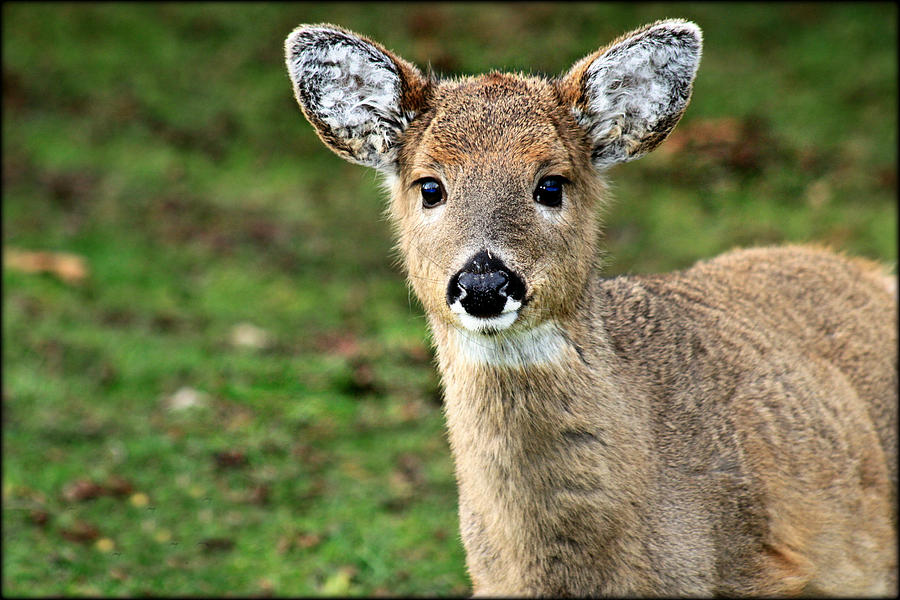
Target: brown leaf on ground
[
  {"x": 39, "y": 517},
  {"x": 303, "y": 541},
  {"x": 80, "y": 532},
  {"x": 230, "y": 459},
  {"x": 119, "y": 487},
  {"x": 71, "y": 268},
  {"x": 308, "y": 540},
  {"x": 81, "y": 490}
]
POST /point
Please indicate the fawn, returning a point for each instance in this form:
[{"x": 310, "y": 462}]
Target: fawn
[{"x": 729, "y": 429}]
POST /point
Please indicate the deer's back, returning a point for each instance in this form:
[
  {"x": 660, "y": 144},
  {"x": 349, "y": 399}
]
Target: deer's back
[{"x": 772, "y": 378}]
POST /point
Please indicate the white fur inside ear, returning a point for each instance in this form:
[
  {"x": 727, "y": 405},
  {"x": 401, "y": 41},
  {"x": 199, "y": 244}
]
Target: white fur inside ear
[
  {"x": 352, "y": 89},
  {"x": 638, "y": 89}
]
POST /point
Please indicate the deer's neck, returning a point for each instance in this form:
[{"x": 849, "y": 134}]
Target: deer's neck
[
  {"x": 543, "y": 427},
  {"x": 553, "y": 389}
]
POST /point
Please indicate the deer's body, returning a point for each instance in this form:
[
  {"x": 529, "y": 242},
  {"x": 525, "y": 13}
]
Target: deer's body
[
  {"x": 729, "y": 429},
  {"x": 670, "y": 443}
]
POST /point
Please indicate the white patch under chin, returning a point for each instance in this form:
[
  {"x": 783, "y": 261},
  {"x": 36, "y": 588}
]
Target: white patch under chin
[
  {"x": 543, "y": 344},
  {"x": 479, "y": 324}
]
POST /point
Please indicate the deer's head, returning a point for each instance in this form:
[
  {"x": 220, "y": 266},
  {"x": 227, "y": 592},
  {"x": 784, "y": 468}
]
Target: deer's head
[{"x": 495, "y": 178}]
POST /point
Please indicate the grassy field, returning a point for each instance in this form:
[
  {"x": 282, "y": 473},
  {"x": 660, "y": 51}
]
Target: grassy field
[{"x": 236, "y": 395}]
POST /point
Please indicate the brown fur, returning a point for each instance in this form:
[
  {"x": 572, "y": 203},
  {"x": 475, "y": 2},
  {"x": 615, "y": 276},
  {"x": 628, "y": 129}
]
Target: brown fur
[{"x": 729, "y": 429}]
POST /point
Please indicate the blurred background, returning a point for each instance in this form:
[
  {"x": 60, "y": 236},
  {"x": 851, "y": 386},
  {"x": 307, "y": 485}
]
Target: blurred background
[{"x": 214, "y": 378}]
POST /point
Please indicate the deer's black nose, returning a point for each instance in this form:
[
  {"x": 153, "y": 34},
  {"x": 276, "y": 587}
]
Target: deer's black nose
[{"x": 483, "y": 286}]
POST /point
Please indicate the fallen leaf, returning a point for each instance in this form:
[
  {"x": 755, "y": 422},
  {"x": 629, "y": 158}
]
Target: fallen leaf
[
  {"x": 338, "y": 584},
  {"x": 230, "y": 459},
  {"x": 71, "y": 268},
  {"x": 81, "y": 490},
  {"x": 186, "y": 397},
  {"x": 117, "y": 486},
  {"x": 80, "y": 532},
  {"x": 39, "y": 517},
  {"x": 248, "y": 335},
  {"x": 308, "y": 540},
  {"x": 304, "y": 541}
]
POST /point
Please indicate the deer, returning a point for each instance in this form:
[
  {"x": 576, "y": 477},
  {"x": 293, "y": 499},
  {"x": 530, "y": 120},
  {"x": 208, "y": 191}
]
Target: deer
[{"x": 727, "y": 429}]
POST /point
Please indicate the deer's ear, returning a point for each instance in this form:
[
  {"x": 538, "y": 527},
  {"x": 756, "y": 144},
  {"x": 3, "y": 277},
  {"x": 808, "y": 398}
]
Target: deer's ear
[
  {"x": 631, "y": 94},
  {"x": 359, "y": 96}
]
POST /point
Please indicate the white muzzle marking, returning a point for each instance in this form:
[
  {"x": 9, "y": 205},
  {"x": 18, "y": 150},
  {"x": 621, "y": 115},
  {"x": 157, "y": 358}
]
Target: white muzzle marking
[{"x": 480, "y": 324}]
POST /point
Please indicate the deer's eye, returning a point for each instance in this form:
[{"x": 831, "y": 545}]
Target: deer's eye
[
  {"x": 432, "y": 192},
  {"x": 549, "y": 190}
]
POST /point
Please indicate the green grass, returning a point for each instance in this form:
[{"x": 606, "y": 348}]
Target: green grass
[{"x": 162, "y": 143}]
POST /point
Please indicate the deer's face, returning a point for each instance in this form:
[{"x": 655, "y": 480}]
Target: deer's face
[
  {"x": 495, "y": 204},
  {"x": 494, "y": 179}
]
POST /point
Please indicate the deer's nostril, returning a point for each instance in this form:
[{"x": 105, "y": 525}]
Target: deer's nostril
[
  {"x": 483, "y": 286},
  {"x": 495, "y": 281}
]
